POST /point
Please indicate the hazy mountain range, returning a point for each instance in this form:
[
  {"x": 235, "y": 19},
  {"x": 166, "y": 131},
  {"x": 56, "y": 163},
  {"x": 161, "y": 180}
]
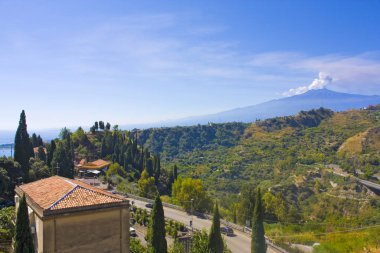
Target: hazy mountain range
[{"x": 312, "y": 99}]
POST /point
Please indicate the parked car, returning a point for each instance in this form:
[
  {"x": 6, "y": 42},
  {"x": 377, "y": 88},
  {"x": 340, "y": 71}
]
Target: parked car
[
  {"x": 227, "y": 231},
  {"x": 132, "y": 232},
  {"x": 149, "y": 205}
]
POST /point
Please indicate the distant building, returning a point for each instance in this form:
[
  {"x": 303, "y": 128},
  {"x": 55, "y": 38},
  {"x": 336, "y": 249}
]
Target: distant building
[
  {"x": 35, "y": 151},
  {"x": 70, "y": 216},
  {"x": 92, "y": 168}
]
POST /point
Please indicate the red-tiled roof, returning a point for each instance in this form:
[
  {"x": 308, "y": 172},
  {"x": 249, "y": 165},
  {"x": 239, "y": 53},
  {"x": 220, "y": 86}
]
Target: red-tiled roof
[
  {"x": 35, "y": 150},
  {"x": 99, "y": 162},
  {"x": 95, "y": 165},
  {"x": 57, "y": 193}
]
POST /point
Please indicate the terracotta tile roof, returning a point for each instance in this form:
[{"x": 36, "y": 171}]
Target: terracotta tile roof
[
  {"x": 35, "y": 150},
  {"x": 83, "y": 197},
  {"x": 98, "y": 164},
  {"x": 83, "y": 161},
  {"x": 57, "y": 193}
]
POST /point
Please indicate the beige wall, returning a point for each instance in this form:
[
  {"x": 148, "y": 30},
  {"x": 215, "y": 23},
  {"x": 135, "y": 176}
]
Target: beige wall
[{"x": 102, "y": 230}]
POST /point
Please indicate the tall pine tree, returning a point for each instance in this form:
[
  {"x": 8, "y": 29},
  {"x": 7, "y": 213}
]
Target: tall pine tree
[
  {"x": 156, "y": 236},
  {"x": 23, "y": 240},
  {"x": 258, "y": 244},
  {"x": 23, "y": 146},
  {"x": 215, "y": 240}
]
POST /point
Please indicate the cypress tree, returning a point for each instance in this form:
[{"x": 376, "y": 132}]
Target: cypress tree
[
  {"x": 157, "y": 168},
  {"x": 103, "y": 147},
  {"x": 170, "y": 183},
  {"x": 50, "y": 154},
  {"x": 149, "y": 166},
  {"x": 34, "y": 140},
  {"x": 258, "y": 244},
  {"x": 215, "y": 240},
  {"x": 141, "y": 160},
  {"x": 101, "y": 125},
  {"x": 156, "y": 237},
  {"x": 23, "y": 146},
  {"x": 175, "y": 172},
  {"x": 41, "y": 153},
  {"x": 62, "y": 158},
  {"x": 129, "y": 156},
  {"x": 23, "y": 240},
  {"x": 40, "y": 141}
]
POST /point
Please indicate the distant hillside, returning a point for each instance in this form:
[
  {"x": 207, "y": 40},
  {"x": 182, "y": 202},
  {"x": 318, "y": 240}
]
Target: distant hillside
[
  {"x": 235, "y": 149},
  {"x": 288, "y": 156},
  {"x": 170, "y": 142},
  {"x": 312, "y": 99}
]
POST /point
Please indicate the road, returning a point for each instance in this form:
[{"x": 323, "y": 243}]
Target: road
[
  {"x": 369, "y": 184},
  {"x": 240, "y": 243},
  {"x": 142, "y": 231},
  {"x": 338, "y": 171}
]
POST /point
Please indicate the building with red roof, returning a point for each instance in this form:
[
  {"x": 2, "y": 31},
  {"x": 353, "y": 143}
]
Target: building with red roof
[{"x": 67, "y": 215}]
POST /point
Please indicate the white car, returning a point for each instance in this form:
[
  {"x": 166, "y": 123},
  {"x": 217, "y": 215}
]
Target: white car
[{"x": 132, "y": 232}]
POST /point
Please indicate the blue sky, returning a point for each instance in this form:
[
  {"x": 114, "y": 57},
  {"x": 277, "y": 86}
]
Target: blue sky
[{"x": 69, "y": 63}]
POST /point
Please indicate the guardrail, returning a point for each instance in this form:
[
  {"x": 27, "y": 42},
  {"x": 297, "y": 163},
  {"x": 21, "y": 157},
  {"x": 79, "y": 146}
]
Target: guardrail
[
  {"x": 152, "y": 201},
  {"x": 224, "y": 222}
]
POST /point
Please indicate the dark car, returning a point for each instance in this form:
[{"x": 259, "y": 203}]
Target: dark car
[
  {"x": 149, "y": 205},
  {"x": 227, "y": 231}
]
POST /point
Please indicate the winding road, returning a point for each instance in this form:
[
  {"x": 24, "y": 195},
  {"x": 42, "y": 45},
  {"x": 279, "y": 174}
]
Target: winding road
[{"x": 239, "y": 243}]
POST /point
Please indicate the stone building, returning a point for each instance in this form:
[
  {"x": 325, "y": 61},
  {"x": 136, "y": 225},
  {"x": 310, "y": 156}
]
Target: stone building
[{"x": 70, "y": 216}]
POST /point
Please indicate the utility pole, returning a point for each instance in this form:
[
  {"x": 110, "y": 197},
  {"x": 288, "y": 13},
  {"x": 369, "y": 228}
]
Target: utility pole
[
  {"x": 57, "y": 169},
  {"x": 191, "y": 221}
]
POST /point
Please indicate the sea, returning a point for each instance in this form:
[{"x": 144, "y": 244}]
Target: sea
[
  {"x": 7, "y": 139},
  {"x": 6, "y": 150}
]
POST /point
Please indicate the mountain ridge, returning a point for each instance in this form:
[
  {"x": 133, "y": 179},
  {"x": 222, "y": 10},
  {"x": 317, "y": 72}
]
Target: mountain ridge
[{"x": 312, "y": 99}]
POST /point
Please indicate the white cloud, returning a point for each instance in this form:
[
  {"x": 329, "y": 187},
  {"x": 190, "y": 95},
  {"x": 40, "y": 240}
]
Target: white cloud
[
  {"x": 352, "y": 73},
  {"x": 319, "y": 83}
]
